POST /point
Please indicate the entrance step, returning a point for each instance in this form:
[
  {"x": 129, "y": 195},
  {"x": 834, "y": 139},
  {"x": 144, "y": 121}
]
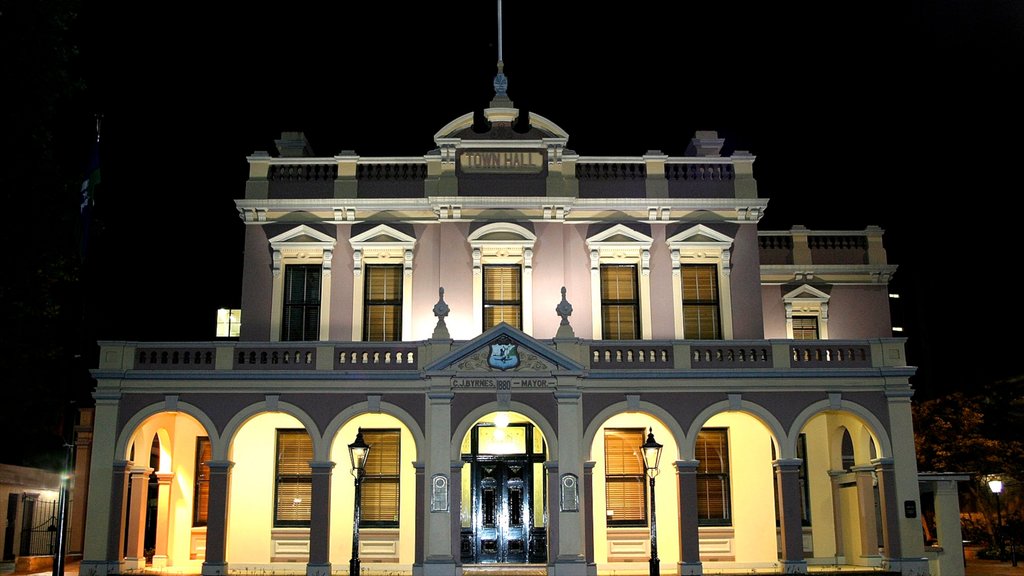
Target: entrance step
[{"x": 504, "y": 569}]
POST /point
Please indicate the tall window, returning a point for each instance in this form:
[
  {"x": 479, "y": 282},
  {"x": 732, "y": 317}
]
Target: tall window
[
  {"x": 380, "y": 485},
  {"x": 201, "y": 494},
  {"x": 701, "y": 318},
  {"x": 713, "y": 506},
  {"x": 301, "y": 319},
  {"x": 382, "y": 314},
  {"x": 620, "y": 303},
  {"x": 503, "y": 295},
  {"x": 294, "y": 479},
  {"x": 624, "y": 487},
  {"x": 805, "y": 327}
]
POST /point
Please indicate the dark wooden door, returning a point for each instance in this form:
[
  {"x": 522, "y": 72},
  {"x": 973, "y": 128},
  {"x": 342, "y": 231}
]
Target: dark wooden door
[
  {"x": 501, "y": 510},
  {"x": 9, "y": 527}
]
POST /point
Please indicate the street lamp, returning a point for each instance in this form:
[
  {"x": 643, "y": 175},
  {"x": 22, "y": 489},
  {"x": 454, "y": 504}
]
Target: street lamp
[
  {"x": 652, "y": 456},
  {"x": 996, "y": 486},
  {"x": 357, "y": 452}
]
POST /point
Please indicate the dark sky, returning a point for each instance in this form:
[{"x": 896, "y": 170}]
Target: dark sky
[{"x": 906, "y": 117}]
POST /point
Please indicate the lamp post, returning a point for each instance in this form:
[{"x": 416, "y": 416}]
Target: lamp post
[
  {"x": 996, "y": 486},
  {"x": 652, "y": 456},
  {"x": 357, "y": 452}
]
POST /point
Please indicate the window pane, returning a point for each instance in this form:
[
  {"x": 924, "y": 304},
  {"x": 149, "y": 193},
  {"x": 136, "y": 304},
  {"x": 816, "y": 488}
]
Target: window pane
[
  {"x": 301, "y": 318},
  {"x": 503, "y": 295},
  {"x": 625, "y": 490},
  {"x": 380, "y": 485},
  {"x": 382, "y": 311},
  {"x": 700, "y": 302},
  {"x": 201, "y": 496},
  {"x": 712, "y": 450},
  {"x": 620, "y": 307},
  {"x": 805, "y": 327},
  {"x": 294, "y": 484}
]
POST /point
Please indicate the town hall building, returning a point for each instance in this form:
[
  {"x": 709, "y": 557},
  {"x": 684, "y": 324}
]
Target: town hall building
[{"x": 508, "y": 326}]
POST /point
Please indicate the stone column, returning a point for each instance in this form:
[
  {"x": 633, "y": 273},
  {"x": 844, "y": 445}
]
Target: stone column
[
  {"x": 163, "y": 510},
  {"x": 83, "y": 455},
  {"x": 554, "y": 509},
  {"x": 570, "y": 560},
  {"x": 904, "y": 493},
  {"x": 135, "y": 558},
  {"x": 866, "y": 511},
  {"x": 320, "y": 519},
  {"x": 438, "y": 523},
  {"x": 947, "y": 528},
  {"x": 837, "y": 516},
  {"x": 217, "y": 518},
  {"x": 787, "y": 473},
  {"x": 587, "y": 507},
  {"x": 890, "y": 510},
  {"x": 455, "y": 508},
  {"x": 104, "y": 511},
  {"x": 689, "y": 536},
  {"x": 421, "y": 506}
]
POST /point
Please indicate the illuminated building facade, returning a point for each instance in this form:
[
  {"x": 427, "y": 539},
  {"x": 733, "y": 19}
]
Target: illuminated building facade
[{"x": 505, "y": 321}]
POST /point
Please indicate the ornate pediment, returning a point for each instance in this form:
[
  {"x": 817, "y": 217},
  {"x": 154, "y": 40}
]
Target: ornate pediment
[{"x": 504, "y": 351}]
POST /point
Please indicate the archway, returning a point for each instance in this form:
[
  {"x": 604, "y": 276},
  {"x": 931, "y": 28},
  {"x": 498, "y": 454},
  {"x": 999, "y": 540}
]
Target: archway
[{"x": 504, "y": 492}]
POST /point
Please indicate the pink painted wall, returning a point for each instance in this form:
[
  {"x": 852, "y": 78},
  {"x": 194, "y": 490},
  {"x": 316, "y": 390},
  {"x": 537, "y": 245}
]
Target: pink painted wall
[
  {"x": 577, "y": 279},
  {"x": 443, "y": 257},
  {"x": 662, "y": 308},
  {"x": 342, "y": 285},
  {"x": 548, "y": 277},
  {"x": 257, "y": 285},
  {"x": 859, "y": 312},
  {"x": 747, "y": 317},
  {"x": 774, "y": 310}
]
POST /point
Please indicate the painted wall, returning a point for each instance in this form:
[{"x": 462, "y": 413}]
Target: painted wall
[
  {"x": 251, "y": 489},
  {"x": 818, "y": 459},
  {"x": 774, "y": 310},
  {"x": 426, "y": 277},
  {"x": 342, "y": 285},
  {"x": 257, "y": 283},
  {"x": 577, "y": 279},
  {"x": 745, "y": 280},
  {"x": 751, "y": 485},
  {"x": 549, "y": 260},
  {"x": 662, "y": 322},
  {"x": 343, "y": 497},
  {"x": 183, "y": 434},
  {"x": 859, "y": 312}
]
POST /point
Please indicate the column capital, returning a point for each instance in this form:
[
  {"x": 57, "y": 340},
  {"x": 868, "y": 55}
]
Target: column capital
[
  {"x": 883, "y": 463},
  {"x": 551, "y": 465},
  {"x": 861, "y": 468},
  {"x": 322, "y": 466},
  {"x": 588, "y": 466},
  {"x": 164, "y": 477},
  {"x": 136, "y": 470},
  {"x": 220, "y": 466},
  {"x": 687, "y": 466},
  {"x": 787, "y": 464}
]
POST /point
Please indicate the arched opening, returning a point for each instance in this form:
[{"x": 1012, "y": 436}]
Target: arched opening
[
  {"x": 387, "y": 497},
  {"x": 843, "y": 521},
  {"x": 504, "y": 494},
  {"x": 621, "y": 507},
  {"x": 270, "y": 491},
  {"x": 163, "y": 493}
]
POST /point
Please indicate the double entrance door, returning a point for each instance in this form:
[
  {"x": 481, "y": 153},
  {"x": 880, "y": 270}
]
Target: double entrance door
[{"x": 502, "y": 511}]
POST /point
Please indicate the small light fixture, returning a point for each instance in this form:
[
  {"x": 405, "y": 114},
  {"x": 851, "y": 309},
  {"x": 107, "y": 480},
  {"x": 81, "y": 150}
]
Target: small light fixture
[
  {"x": 996, "y": 486},
  {"x": 358, "y": 452},
  {"x": 501, "y": 420}
]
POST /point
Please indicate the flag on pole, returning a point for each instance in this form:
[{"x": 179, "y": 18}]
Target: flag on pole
[{"x": 87, "y": 193}]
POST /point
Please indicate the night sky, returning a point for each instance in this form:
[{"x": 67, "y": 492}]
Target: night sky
[{"x": 907, "y": 118}]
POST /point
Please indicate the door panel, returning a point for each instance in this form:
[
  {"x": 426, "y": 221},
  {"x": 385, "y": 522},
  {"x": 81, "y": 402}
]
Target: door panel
[{"x": 502, "y": 512}]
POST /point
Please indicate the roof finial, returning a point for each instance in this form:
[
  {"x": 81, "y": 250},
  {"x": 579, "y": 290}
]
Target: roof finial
[{"x": 500, "y": 81}]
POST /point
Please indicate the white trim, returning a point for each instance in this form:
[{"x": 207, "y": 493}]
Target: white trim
[
  {"x": 688, "y": 247},
  {"x": 289, "y": 250},
  {"x": 635, "y": 249},
  {"x": 806, "y": 300},
  {"x": 503, "y": 251},
  {"x": 368, "y": 249}
]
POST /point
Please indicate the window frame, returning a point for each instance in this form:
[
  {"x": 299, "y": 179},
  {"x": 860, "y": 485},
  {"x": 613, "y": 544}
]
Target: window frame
[
  {"x": 716, "y": 302},
  {"x": 621, "y": 244},
  {"x": 368, "y": 271},
  {"x": 516, "y": 303},
  {"x": 288, "y": 479},
  {"x": 630, "y": 477},
  {"x": 301, "y": 245},
  {"x": 201, "y": 480},
  {"x": 806, "y": 301},
  {"x": 381, "y": 244},
  {"x": 369, "y": 479},
  {"x": 308, "y": 333},
  {"x": 722, "y": 476},
  {"x": 697, "y": 245},
  {"x": 503, "y": 243},
  {"x": 609, "y": 302}
]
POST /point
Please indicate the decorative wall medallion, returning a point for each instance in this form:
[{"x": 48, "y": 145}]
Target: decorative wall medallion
[{"x": 504, "y": 354}]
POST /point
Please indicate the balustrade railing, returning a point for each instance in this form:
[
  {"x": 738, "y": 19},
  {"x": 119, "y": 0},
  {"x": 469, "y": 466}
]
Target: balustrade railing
[{"x": 634, "y": 354}]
